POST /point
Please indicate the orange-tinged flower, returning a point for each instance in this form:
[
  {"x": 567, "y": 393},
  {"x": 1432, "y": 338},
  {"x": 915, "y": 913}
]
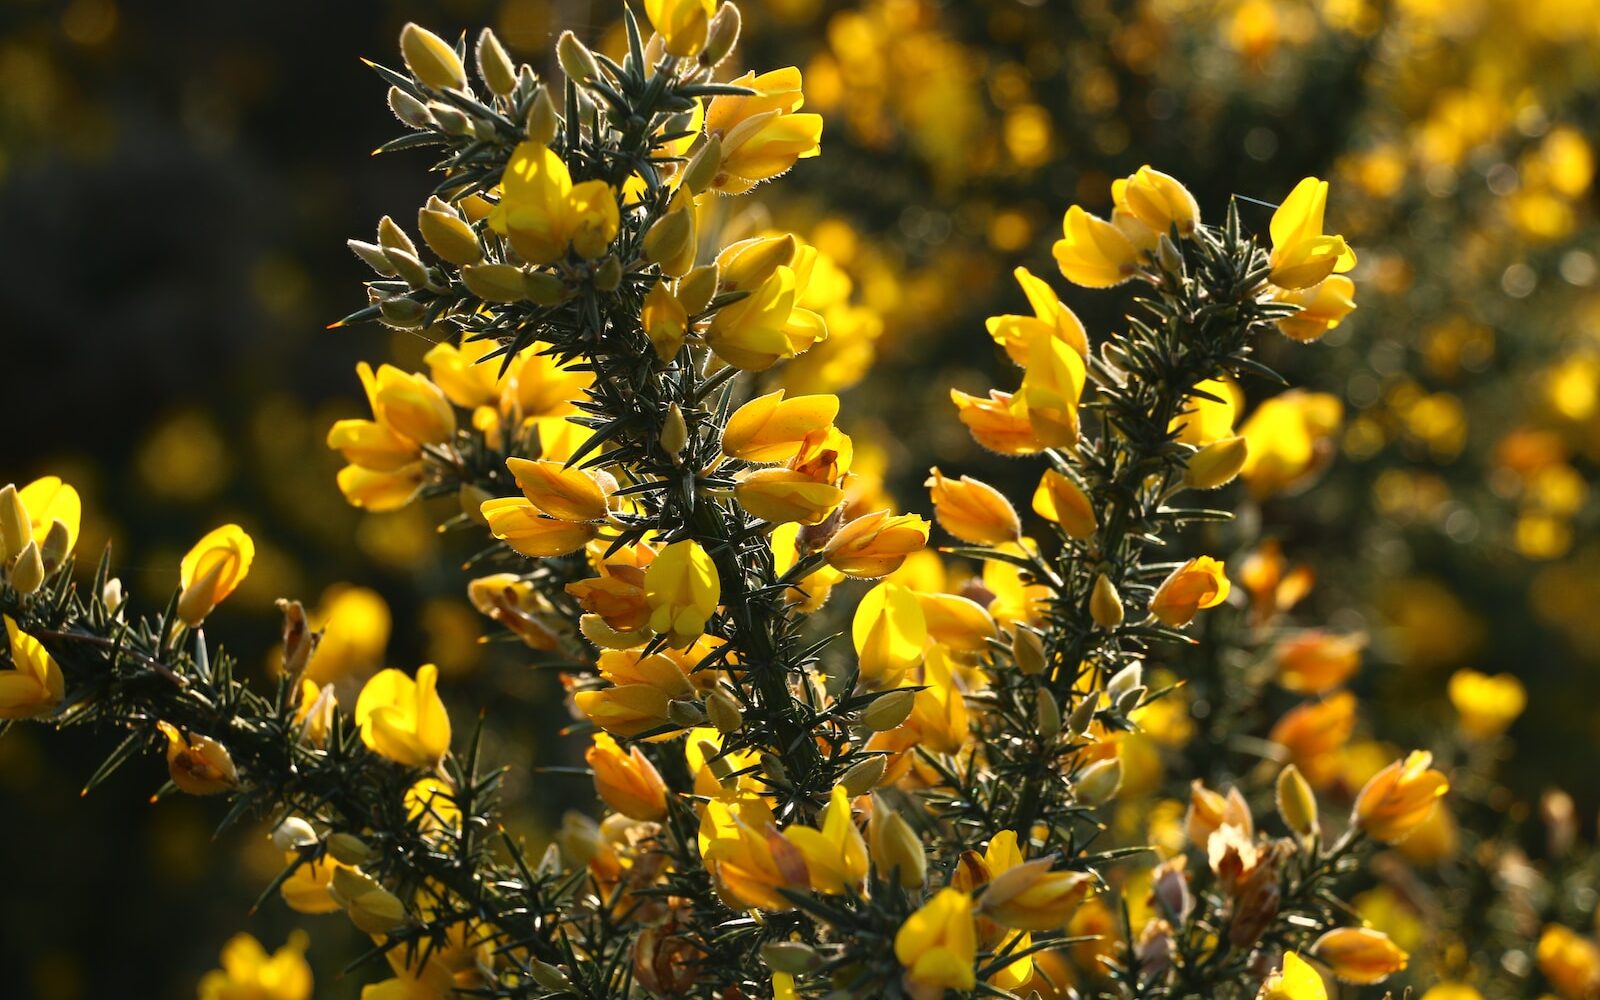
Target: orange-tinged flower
[
  {"x": 1570, "y": 961},
  {"x": 973, "y": 511},
  {"x": 762, "y": 133},
  {"x": 1301, "y": 254},
  {"x": 1399, "y": 798},
  {"x": 1314, "y": 733},
  {"x": 1051, "y": 319},
  {"x": 34, "y": 685},
  {"x": 563, "y": 492},
  {"x": 771, "y": 428},
  {"x": 836, "y": 853},
  {"x": 1094, "y": 253},
  {"x": 938, "y": 945},
  {"x": 198, "y": 764},
  {"x": 1316, "y": 661},
  {"x": 521, "y": 525},
  {"x": 1028, "y": 895},
  {"x": 749, "y": 860},
  {"x": 1059, "y": 500},
  {"x": 999, "y": 423},
  {"x": 783, "y": 496},
  {"x": 1359, "y": 955},
  {"x": 875, "y": 544},
  {"x": 628, "y": 782},
  {"x": 404, "y": 719},
  {"x": 1323, "y": 306},
  {"x": 212, "y": 569},
  {"x": 625, "y": 709},
  {"x": 1198, "y": 584}
]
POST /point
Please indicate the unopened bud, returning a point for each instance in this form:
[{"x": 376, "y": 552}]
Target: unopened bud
[
  {"x": 895, "y": 848},
  {"x": 348, "y": 849},
  {"x": 696, "y": 289},
  {"x": 1082, "y": 716},
  {"x": 1047, "y": 715},
  {"x": 1027, "y": 650},
  {"x": 1216, "y": 464},
  {"x": 409, "y": 110},
  {"x": 448, "y": 235},
  {"x": 794, "y": 958},
  {"x": 1098, "y": 782},
  {"x": 863, "y": 777},
  {"x": 57, "y": 544},
  {"x": 111, "y": 594},
  {"x": 27, "y": 573},
  {"x": 431, "y": 59},
  {"x": 542, "y": 118},
  {"x": 1297, "y": 803},
  {"x": 494, "y": 65},
  {"x": 773, "y": 765},
  {"x": 299, "y": 641},
  {"x": 472, "y": 498},
  {"x": 451, "y": 121},
  {"x": 392, "y": 237},
  {"x": 721, "y": 36},
  {"x": 408, "y": 266},
  {"x": 372, "y": 255},
  {"x": 1125, "y": 680},
  {"x": 704, "y": 165},
  {"x": 669, "y": 242},
  {"x": 550, "y": 860},
  {"x": 495, "y": 282},
  {"x": 576, "y": 60},
  {"x": 1105, "y": 604},
  {"x": 550, "y": 977},
  {"x": 674, "y": 433},
  {"x": 723, "y": 711},
  {"x": 889, "y": 710},
  {"x": 1168, "y": 255},
  {"x": 292, "y": 834},
  {"x": 1130, "y": 700},
  {"x": 608, "y": 276},
  {"x": 16, "y": 528},
  {"x": 686, "y": 713},
  {"x": 370, "y": 906},
  {"x": 402, "y": 313},
  {"x": 544, "y": 288}
]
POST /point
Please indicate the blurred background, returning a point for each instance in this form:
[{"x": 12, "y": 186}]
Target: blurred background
[{"x": 177, "y": 181}]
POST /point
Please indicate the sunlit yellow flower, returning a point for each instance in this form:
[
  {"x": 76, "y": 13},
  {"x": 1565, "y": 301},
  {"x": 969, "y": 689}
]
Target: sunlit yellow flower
[
  {"x": 379, "y": 492},
  {"x": 938, "y": 945},
  {"x": 1452, "y": 991},
  {"x": 544, "y": 214},
  {"x": 408, "y": 404},
  {"x": 35, "y": 684},
  {"x": 1028, "y": 895},
  {"x": 1323, "y": 306},
  {"x": 521, "y": 525},
  {"x": 1059, "y": 500},
  {"x": 465, "y": 374},
  {"x": 306, "y": 891},
  {"x": 1198, "y": 584},
  {"x": 562, "y": 491},
  {"x": 835, "y": 854},
  {"x": 1093, "y": 252},
  {"x": 1052, "y": 384},
  {"x": 999, "y": 423},
  {"x": 628, "y": 782},
  {"x": 1297, "y": 980},
  {"x": 1314, "y": 733},
  {"x": 771, "y": 428},
  {"x": 1290, "y": 440},
  {"x": 48, "y": 500},
  {"x": 766, "y": 326},
  {"x": 889, "y": 632},
  {"x": 1570, "y": 961},
  {"x": 212, "y": 569},
  {"x": 1399, "y": 798},
  {"x": 1209, "y": 413},
  {"x": 875, "y": 544},
  {"x": 625, "y": 709},
  {"x": 959, "y": 624},
  {"x": 1359, "y": 955},
  {"x": 762, "y": 134},
  {"x": 355, "y": 624},
  {"x": 198, "y": 764},
  {"x": 1487, "y": 705},
  {"x": 681, "y": 24},
  {"x": 972, "y": 511},
  {"x": 1157, "y": 202},
  {"x": 415, "y": 978},
  {"x": 249, "y": 973},
  {"x": 939, "y": 711},
  {"x": 404, "y": 719},
  {"x": 1301, "y": 254},
  {"x": 665, "y": 321},
  {"x": 747, "y": 857},
  {"x": 1051, "y": 319},
  {"x": 682, "y": 589}
]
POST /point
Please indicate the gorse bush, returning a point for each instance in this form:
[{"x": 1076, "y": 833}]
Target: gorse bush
[{"x": 931, "y": 807}]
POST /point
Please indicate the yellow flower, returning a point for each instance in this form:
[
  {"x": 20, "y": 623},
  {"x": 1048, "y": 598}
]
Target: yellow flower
[
  {"x": 683, "y": 590},
  {"x": 1198, "y": 584},
  {"x": 1314, "y": 733},
  {"x": 1487, "y": 705},
  {"x": 544, "y": 214},
  {"x": 625, "y": 709},
  {"x": 1323, "y": 306},
  {"x": 1289, "y": 439},
  {"x": 938, "y": 945},
  {"x": 973, "y": 511},
  {"x": 306, "y": 891},
  {"x": 1051, "y": 386},
  {"x": 1059, "y": 500},
  {"x": 35, "y": 684},
  {"x": 1209, "y": 413},
  {"x": 835, "y": 855},
  {"x": 1157, "y": 202},
  {"x": 370, "y": 906},
  {"x": 627, "y": 782},
  {"x": 1570, "y": 961},
  {"x": 1051, "y": 319},
  {"x": 939, "y": 711},
  {"x": 875, "y": 544},
  {"x": 1301, "y": 254},
  {"x": 414, "y": 979},
  {"x": 198, "y": 764},
  {"x": 762, "y": 136},
  {"x": 889, "y": 633},
  {"x": 959, "y": 624},
  {"x": 665, "y": 321},
  {"x": 1359, "y": 955},
  {"x": 1028, "y": 895},
  {"x": 1094, "y": 253},
  {"x": 681, "y": 24},
  {"x": 212, "y": 569},
  {"x": 999, "y": 423},
  {"x": 563, "y": 492},
  {"x": 784, "y": 496},
  {"x": 409, "y": 405},
  {"x": 771, "y": 428},
  {"x": 1452, "y": 991},
  {"x": 1399, "y": 798},
  {"x": 465, "y": 374},
  {"x": 757, "y": 331},
  {"x": 1297, "y": 980},
  {"x": 47, "y": 501},
  {"x": 404, "y": 719},
  {"x": 747, "y": 857},
  {"x": 380, "y": 492},
  {"x": 249, "y": 973},
  {"x": 521, "y": 525}
]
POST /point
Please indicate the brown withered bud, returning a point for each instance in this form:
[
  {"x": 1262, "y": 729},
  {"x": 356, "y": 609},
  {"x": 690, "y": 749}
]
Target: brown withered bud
[
  {"x": 814, "y": 537},
  {"x": 1258, "y": 898},
  {"x": 664, "y": 961},
  {"x": 975, "y": 591},
  {"x": 1154, "y": 950},
  {"x": 299, "y": 641},
  {"x": 1171, "y": 889},
  {"x": 971, "y": 872}
]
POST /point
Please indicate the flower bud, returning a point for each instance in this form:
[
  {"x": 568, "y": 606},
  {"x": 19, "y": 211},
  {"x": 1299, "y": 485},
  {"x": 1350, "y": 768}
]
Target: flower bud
[
  {"x": 608, "y": 276},
  {"x": 431, "y": 59},
  {"x": 542, "y": 118},
  {"x": 292, "y": 834},
  {"x": 409, "y": 267},
  {"x": 56, "y": 546},
  {"x": 1125, "y": 680},
  {"x": 550, "y": 977},
  {"x": 1027, "y": 650},
  {"x": 27, "y": 573},
  {"x": 447, "y": 234},
  {"x": 370, "y": 906},
  {"x": 299, "y": 642},
  {"x": 1360, "y": 955},
  {"x": 451, "y": 121},
  {"x": 895, "y": 849},
  {"x": 348, "y": 849},
  {"x": 1082, "y": 716},
  {"x": 1098, "y": 782},
  {"x": 1168, "y": 256},
  {"x": 696, "y": 288},
  {"x": 409, "y": 110},
  {"x": 861, "y": 778},
  {"x": 704, "y": 166},
  {"x": 401, "y": 312},
  {"x": 722, "y": 35},
  {"x": 674, "y": 433},
  {"x": 471, "y": 499},
  {"x": 495, "y": 282},
  {"x": 392, "y": 237},
  {"x": 495, "y": 66},
  {"x": 723, "y": 711},
  {"x": 1105, "y": 604},
  {"x": 889, "y": 710},
  {"x": 111, "y": 594},
  {"x": 670, "y": 242},
  {"x": 686, "y": 713},
  {"x": 1047, "y": 715},
  {"x": 1297, "y": 804},
  {"x": 544, "y": 288},
  {"x": 576, "y": 60},
  {"x": 372, "y": 255},
  {"x": 1216, "y": 464},
  {"x": 793, "y": 958}
]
